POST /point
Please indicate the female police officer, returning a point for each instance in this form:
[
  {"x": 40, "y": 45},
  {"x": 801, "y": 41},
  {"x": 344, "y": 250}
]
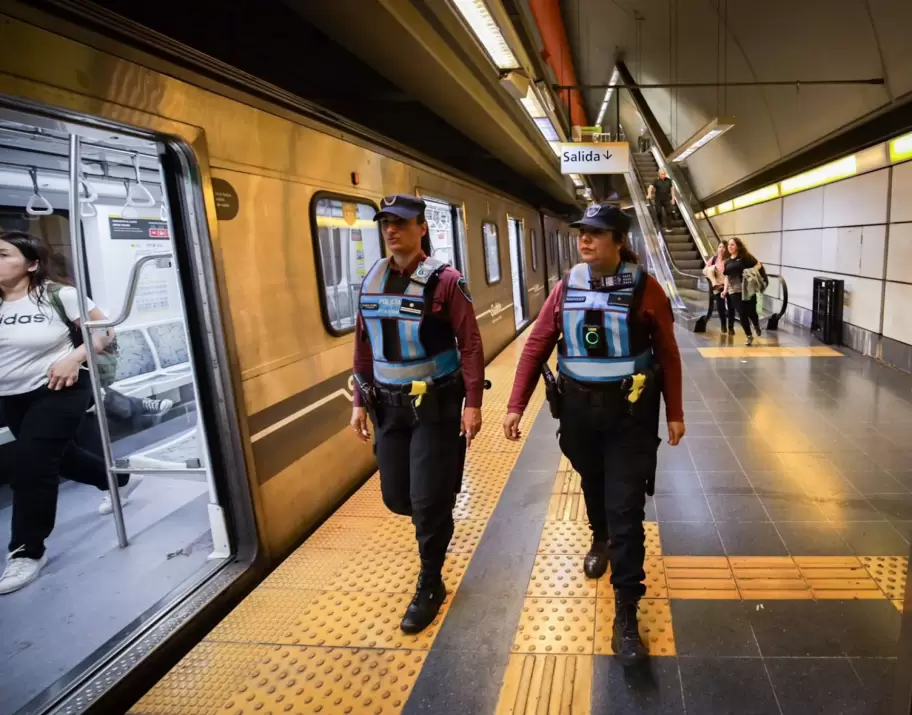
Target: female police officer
[
  {"x": 418, "y": 354},
  {"x": 616, "y": 324}
]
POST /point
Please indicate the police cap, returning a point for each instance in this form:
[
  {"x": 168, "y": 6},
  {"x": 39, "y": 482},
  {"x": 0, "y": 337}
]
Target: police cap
[
  {"x": 401, "y": 206},
  {"x": 607, "y": 217}
]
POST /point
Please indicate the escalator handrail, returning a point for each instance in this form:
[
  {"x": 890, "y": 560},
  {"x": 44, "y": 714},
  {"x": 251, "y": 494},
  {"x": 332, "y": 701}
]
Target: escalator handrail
[{"x": 784, "y": 290}]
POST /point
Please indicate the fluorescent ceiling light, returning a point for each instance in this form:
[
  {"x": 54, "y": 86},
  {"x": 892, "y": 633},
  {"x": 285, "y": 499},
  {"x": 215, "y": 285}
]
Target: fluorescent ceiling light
[
  {"x": 547, "y": 129},
  {"x": 478, "y": 17},
  {"x": 556, "y": 148},
  {"x": 901, "y": 148},
  {"x": 711, "y": 211},
  {"x": 577, "y": 179},
  {"x": 821, "y": 175},
  {"x": 715, "y": 128},
  {"x": 532, "y": 105},
  {"x": 725, "y": 206},
  {"x": 608, "y": 93},
  {"x": 755, "y": 197}
]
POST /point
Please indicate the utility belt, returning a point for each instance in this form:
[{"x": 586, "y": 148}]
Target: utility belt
[
  {"x": 424, "y": 397},
  {"x": 631, "y": 392}
]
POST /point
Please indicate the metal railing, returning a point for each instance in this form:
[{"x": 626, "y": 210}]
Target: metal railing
[{"x": 772, "y": 322}]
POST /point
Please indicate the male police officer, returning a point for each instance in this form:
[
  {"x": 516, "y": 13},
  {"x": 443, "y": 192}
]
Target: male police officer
[
  {"x": 418, "y": 354},
  {"x": 614, "y": 323}
]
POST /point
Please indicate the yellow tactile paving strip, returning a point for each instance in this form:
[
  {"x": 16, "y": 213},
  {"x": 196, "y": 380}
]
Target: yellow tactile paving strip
[
  {"x": 762, "y": 351},
  {"x": 321, "y": 633}
]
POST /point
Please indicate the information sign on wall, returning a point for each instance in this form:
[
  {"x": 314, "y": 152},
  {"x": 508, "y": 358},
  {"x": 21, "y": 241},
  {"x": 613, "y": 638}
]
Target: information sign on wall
[{"x": 595, "y": 158}]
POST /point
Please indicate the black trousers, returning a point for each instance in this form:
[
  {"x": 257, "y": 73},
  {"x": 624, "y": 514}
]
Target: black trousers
[
  {"x": 663, "y": 212},
  {"x": 746, "y": 310},
  {"x": 54, "y": 438},
  {"x": 615, "y": 455},
  {"x": 421, "y": 462},
  {"x": 719, "y": 303}
]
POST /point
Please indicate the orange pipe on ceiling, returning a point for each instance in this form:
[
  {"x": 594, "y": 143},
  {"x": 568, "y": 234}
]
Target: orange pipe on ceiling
[{"x": 557, "y": 54}]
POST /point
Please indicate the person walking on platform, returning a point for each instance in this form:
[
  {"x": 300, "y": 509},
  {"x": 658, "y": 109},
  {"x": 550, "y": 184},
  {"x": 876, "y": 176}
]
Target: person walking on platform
[
  {"x": 740, "y": 260},
  {"x": 714, "y": 273},
  {"x": 418, "y": 356},
  {"x": 662, "y": 193},
  {"x": 617, "y": 352}
]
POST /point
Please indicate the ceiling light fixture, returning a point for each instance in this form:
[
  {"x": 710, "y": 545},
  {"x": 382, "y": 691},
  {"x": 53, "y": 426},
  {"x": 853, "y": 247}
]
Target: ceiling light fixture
[
  {"x": 901, "y": 148},
  {"x": 608, "y": 92},
  {"x": 715, "y": 128},
  {"x": 478, "y": 17},
  {"x": 821, "y": 175}
]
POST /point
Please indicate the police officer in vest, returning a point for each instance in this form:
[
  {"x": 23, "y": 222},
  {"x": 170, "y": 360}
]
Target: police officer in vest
[
  {"x": 617, "y": 353},
  {"x": 418, "y": 357}
]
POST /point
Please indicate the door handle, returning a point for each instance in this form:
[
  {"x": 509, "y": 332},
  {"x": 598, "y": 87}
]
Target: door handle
[{"x": 131, "y": 291}]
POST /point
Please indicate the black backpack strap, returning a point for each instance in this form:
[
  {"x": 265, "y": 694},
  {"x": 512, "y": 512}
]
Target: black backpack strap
[{"x": 52, "y": 291}]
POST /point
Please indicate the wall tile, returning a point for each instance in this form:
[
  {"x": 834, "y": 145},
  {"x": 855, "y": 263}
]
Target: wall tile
[
  {"x": 899, "y": 252},
  {"x": 900, "y": 205},
  {"x": 857, "y": 201},
  {"x": 873, "y": 243},
  {"x": 897, "y": 316},
  {"x": 803, "y": 210},
  {"x": 863, "y": 295}
]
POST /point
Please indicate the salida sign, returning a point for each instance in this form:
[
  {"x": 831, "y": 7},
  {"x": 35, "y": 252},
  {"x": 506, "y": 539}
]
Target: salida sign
[{"x": 592, "y": 158}]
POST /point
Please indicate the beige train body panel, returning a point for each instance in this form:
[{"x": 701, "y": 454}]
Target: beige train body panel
[{"x": 265, "y": 256}]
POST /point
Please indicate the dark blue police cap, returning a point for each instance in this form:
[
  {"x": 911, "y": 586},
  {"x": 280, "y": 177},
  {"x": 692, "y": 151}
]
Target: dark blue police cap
[
  {"x": 400, "y": 205},
  {"x": 607, "y": 217}
]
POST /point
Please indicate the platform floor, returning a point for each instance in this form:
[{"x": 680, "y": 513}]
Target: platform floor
[{"x": 777, "y": 556}]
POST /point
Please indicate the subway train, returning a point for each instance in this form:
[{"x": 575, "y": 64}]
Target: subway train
[{"x": 226, "y": 237}]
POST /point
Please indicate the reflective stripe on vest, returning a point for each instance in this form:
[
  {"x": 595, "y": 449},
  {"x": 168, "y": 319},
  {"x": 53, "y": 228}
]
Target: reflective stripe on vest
[
  {"x": 615, "y": 304},
  {"x": 407, "y": 309}
]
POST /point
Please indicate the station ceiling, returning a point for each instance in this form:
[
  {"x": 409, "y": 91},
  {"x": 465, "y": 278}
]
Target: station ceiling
[{"x": 673, "y": 41}]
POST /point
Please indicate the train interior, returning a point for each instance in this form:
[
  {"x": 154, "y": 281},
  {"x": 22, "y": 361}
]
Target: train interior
[{"x": 93, "y": 594}]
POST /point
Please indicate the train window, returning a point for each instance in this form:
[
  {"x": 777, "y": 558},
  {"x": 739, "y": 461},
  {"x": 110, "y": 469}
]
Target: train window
[
  {"x": 533, "y": 239},
  {"x": 348, "y": 244},
  {"x": 491, "y": 251},
  {"x": 444, "y": 231}
]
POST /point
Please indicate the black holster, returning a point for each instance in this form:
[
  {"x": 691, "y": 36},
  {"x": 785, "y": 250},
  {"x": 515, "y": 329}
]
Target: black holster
[
  {"x": 552, "y": 392},
  {"x": 369, "y": 398}
]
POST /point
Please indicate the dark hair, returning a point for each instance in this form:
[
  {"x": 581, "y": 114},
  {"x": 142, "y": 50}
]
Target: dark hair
[
  {"x": 35, "y": 250},
  {"x": 627, "y": 253},
  {"x": 743, "y": 252},
  {"x": 426, "y": 238}
]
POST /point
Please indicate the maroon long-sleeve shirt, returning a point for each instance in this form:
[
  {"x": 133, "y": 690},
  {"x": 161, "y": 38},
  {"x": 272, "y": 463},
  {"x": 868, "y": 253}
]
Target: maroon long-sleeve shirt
[
  {"x": 654, "y": 310},
  {"x": 449, "y": 302}
]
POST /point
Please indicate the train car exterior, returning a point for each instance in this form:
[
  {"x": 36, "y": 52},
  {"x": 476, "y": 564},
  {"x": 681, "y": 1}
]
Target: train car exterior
[{"x": 269, "y": 195}]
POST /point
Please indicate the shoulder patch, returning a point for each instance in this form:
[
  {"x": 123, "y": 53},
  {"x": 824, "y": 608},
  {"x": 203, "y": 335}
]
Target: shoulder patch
[{"x": 463, "y": 286}]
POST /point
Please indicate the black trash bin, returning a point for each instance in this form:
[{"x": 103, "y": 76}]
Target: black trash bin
[{"x": 826, "y": 316}]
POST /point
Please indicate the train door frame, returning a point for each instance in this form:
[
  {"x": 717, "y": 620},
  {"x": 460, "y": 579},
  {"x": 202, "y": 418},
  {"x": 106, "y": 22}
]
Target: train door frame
[
  {"x": 516, "y": 235},
  {"x": 458, "y": 222},
  {"x": 111, "y": 670}
]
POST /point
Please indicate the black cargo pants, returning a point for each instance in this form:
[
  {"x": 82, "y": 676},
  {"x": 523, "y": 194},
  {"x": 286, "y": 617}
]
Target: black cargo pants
[
  {"x": 421, "y": 462},
  {"x": 614, "y": 452}
]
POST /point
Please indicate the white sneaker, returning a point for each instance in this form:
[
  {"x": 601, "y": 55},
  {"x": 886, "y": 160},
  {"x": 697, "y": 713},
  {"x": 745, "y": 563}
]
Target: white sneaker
[
  {"x": 156, "y": 407},
  {"x": 20, "y": 572},
  {"x": 106, "y": 506}
]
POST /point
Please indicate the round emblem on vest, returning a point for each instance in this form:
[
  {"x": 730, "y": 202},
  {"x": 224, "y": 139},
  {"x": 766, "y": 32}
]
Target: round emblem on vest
[
  {"x": 423, "y": 271},
  {"x": 593, "y": 210}
]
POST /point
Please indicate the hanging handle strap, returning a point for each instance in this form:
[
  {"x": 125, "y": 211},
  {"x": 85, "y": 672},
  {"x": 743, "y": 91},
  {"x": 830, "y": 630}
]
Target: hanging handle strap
[
  {"x": 37, "y": 205},
  {"x": 137, "y": 194},
  {"x": 87, "y": 197}
]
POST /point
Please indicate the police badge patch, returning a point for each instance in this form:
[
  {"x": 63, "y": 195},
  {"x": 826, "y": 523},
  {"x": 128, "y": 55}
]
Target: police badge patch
[{"x": 464, "y": 289}]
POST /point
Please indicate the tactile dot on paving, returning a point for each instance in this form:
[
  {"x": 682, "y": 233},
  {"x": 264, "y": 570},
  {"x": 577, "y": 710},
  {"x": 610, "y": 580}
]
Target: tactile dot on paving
[
  {"x": 359, "y": 620},
  {"x": 653, "y": 542},
  {"x": 467, "y": 535},
  {"x": 309, "y": 569},
  {"x": 475, "y": 505},
  {"x": 327, "y": 681},
  {"x": 556, "y": 625},
  {"x": 201, "y": 682},
  {"x": 394, "y": 534},
  {"x": 344, "y": 533},
  {"x": 560, "y": 576},
  {"x": 365, "y": 502},
  {"x": 393, "y": 572},
  {"x": 654, "y": 618},
  {"x": 565, "y": 537},
  {"x": 485, "y": 474},
  {"x": 890, "y": 574},
  {"x": 655, "y": 580},
  {"x": 265, "y": 616}
]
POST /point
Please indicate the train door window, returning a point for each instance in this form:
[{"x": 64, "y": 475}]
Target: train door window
[
  {"x": 518, "y": 270},
  {"x": 491, "y": 252},
  {"x": 348, "y": 243},
  {"x": 444, "y": 232},
  {"x": 140, "y": 510},
  {"x": 563, "y": 259},
  {"x": 533, "y": 245}
]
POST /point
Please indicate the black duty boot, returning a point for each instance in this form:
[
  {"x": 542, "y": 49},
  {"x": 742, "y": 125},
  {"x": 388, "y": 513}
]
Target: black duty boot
[
  {"x": 423, "y": 609},
  {"x": 625, "y": 640},
  {"x": 596, "y": 561}
]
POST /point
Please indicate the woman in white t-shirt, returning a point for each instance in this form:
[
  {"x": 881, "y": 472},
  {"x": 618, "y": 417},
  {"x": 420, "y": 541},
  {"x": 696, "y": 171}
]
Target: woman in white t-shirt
[{"x": 45, "y": 391}]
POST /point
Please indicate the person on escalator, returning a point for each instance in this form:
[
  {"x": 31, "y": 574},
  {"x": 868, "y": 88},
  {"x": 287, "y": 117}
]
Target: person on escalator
[
  {"x": 739, "y": 260},
  {"x": 662, "y": 193},
  {"x": 714, "y": 271},
  {"x": 45, "y": 391}
]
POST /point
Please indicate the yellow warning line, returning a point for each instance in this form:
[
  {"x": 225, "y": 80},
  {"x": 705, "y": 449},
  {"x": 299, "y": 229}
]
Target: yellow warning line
[
  {"x": 321, "y": 633},
  {"x": 760, "y": 351}
]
